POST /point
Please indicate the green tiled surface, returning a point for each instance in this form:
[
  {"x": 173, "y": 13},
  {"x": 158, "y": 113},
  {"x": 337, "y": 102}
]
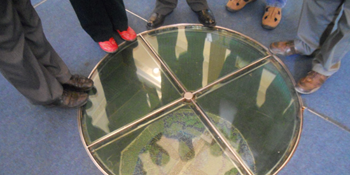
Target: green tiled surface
[{"x": 176, "y": 144}]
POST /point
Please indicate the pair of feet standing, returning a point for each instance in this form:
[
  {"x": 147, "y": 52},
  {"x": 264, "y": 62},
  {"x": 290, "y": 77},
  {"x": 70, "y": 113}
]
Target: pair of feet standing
[
  {"x": 205, "y": 17},
  {"x": 270, "y": 19},
  {"x": 312, "y": 81},
  {"x": 75, "y": 92},
  {"x": 111, "y": 46}
]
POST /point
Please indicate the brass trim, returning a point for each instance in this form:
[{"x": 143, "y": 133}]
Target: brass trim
[
  {"x": 80, "y": 112},
  {"x": 136, "y": 15},
  {"x": 39, "y": 3},
  {"x": 298, "y": 130}
]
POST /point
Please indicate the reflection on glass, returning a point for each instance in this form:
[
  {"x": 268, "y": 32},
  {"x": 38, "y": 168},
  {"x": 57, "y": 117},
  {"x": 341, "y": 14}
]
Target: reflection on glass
[
  {"x": 262, "y": 107},
  {"x": 198, "y": 56},
  {"x": 255, "y": 110},
  {"x": 128, "y": 85},
  {"x": 176, "y": 144}
]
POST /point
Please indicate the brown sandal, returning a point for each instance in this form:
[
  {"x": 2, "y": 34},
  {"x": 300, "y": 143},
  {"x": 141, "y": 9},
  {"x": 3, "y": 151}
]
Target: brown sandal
[
  {"x": 235, "y": 5},
  {"x": 272, "y": 17}
]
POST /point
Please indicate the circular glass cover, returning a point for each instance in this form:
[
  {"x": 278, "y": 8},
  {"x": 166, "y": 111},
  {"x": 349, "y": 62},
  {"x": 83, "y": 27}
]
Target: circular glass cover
[{"x": 188, "y": 99}]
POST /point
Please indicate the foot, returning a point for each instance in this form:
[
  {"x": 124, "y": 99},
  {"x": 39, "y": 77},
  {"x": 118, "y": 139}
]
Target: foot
[
  {"x": 235, "y": 5},
  {"x": 272, "y": 17},
  {"x": 71, "y": 99},
  {"x": 109, "y": 46},
  {"x": 155, "y": 20},
  {"x": 206, "y": 17},
  {"x": 285, "y": 48},
  {"x": 127, "y": 35},
  {"x": 311, "y": 83},
  {"x": 79, "y": 82}
]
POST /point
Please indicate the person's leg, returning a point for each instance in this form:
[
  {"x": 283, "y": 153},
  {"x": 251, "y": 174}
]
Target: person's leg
[
  {"x": 273, "y": 13},
  {"x": 18, "y": 63},
  {"x": 27, "y": 60},
  {"x": 316, "y": 15},
  {"x": 117, "y": 14},
  {"x": 335, "y": 47},
  {"x": 96, "y": 22},
  {"x": 201, "y": 8},
  {"x": 162, "y": 9},
  {"x": 327, "y": 60},
  {"x": 36, "y": 40},
  {"x": 93, "y": 19},
  {"x": 198, "y": 5}
]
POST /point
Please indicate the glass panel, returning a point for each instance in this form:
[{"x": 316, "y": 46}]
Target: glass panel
[
  {"x": 261, "y": 106},
  {"x": 128, "y": 85},
  {"x": 177, "y": 144},
  {"x": 199, "y": 55}
]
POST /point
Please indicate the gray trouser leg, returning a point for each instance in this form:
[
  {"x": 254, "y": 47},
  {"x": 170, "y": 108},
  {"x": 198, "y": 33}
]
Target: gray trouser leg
[
  {"x": 335, "y": 47},
  {"x": 27, "y": 59},
  {"x": 315, "y": 16}
]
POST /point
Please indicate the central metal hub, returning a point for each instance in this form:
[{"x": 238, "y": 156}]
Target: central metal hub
[{"x": 188, "y": 96}]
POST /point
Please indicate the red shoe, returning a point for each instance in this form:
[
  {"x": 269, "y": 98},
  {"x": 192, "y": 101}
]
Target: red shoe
[
  {"x": 127, "y": 35},
  {"x": 109, "y": 46}
]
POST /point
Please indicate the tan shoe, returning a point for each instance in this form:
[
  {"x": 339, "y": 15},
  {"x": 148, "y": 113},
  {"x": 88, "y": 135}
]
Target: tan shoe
[
  {"x": 272, "y": 17},
  {"x": 311, "y": 83},
  {"x": 284, "y": 48},
  {"x": 235, "y": 5}
]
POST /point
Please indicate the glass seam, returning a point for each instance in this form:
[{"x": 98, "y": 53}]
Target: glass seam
[
  {"x": 133, "y": 124},
  {"x": 115, "y": 139},
  {"x": 167, "y": 69},
  {"x": 252, "y": 66},
  {"x": 221, "y": 140}
]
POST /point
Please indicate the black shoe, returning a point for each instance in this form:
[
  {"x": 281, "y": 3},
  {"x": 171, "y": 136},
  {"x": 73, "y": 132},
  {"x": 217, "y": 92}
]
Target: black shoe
[
  {"x": 79, "y": 82},
  {"x": 206, "y": 17},
  {"x": 155, "y": 20},
  {"x": 71, "y": 99}
]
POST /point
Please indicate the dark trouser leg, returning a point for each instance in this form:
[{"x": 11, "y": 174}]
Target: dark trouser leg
[
  {"x": 94, "y": 18},
  {"x": 117, "y": 14},
  {"x": 164, "y": 7},
  {"x": 27, "y": 60},
  {"x": 198, "y": 5}
]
